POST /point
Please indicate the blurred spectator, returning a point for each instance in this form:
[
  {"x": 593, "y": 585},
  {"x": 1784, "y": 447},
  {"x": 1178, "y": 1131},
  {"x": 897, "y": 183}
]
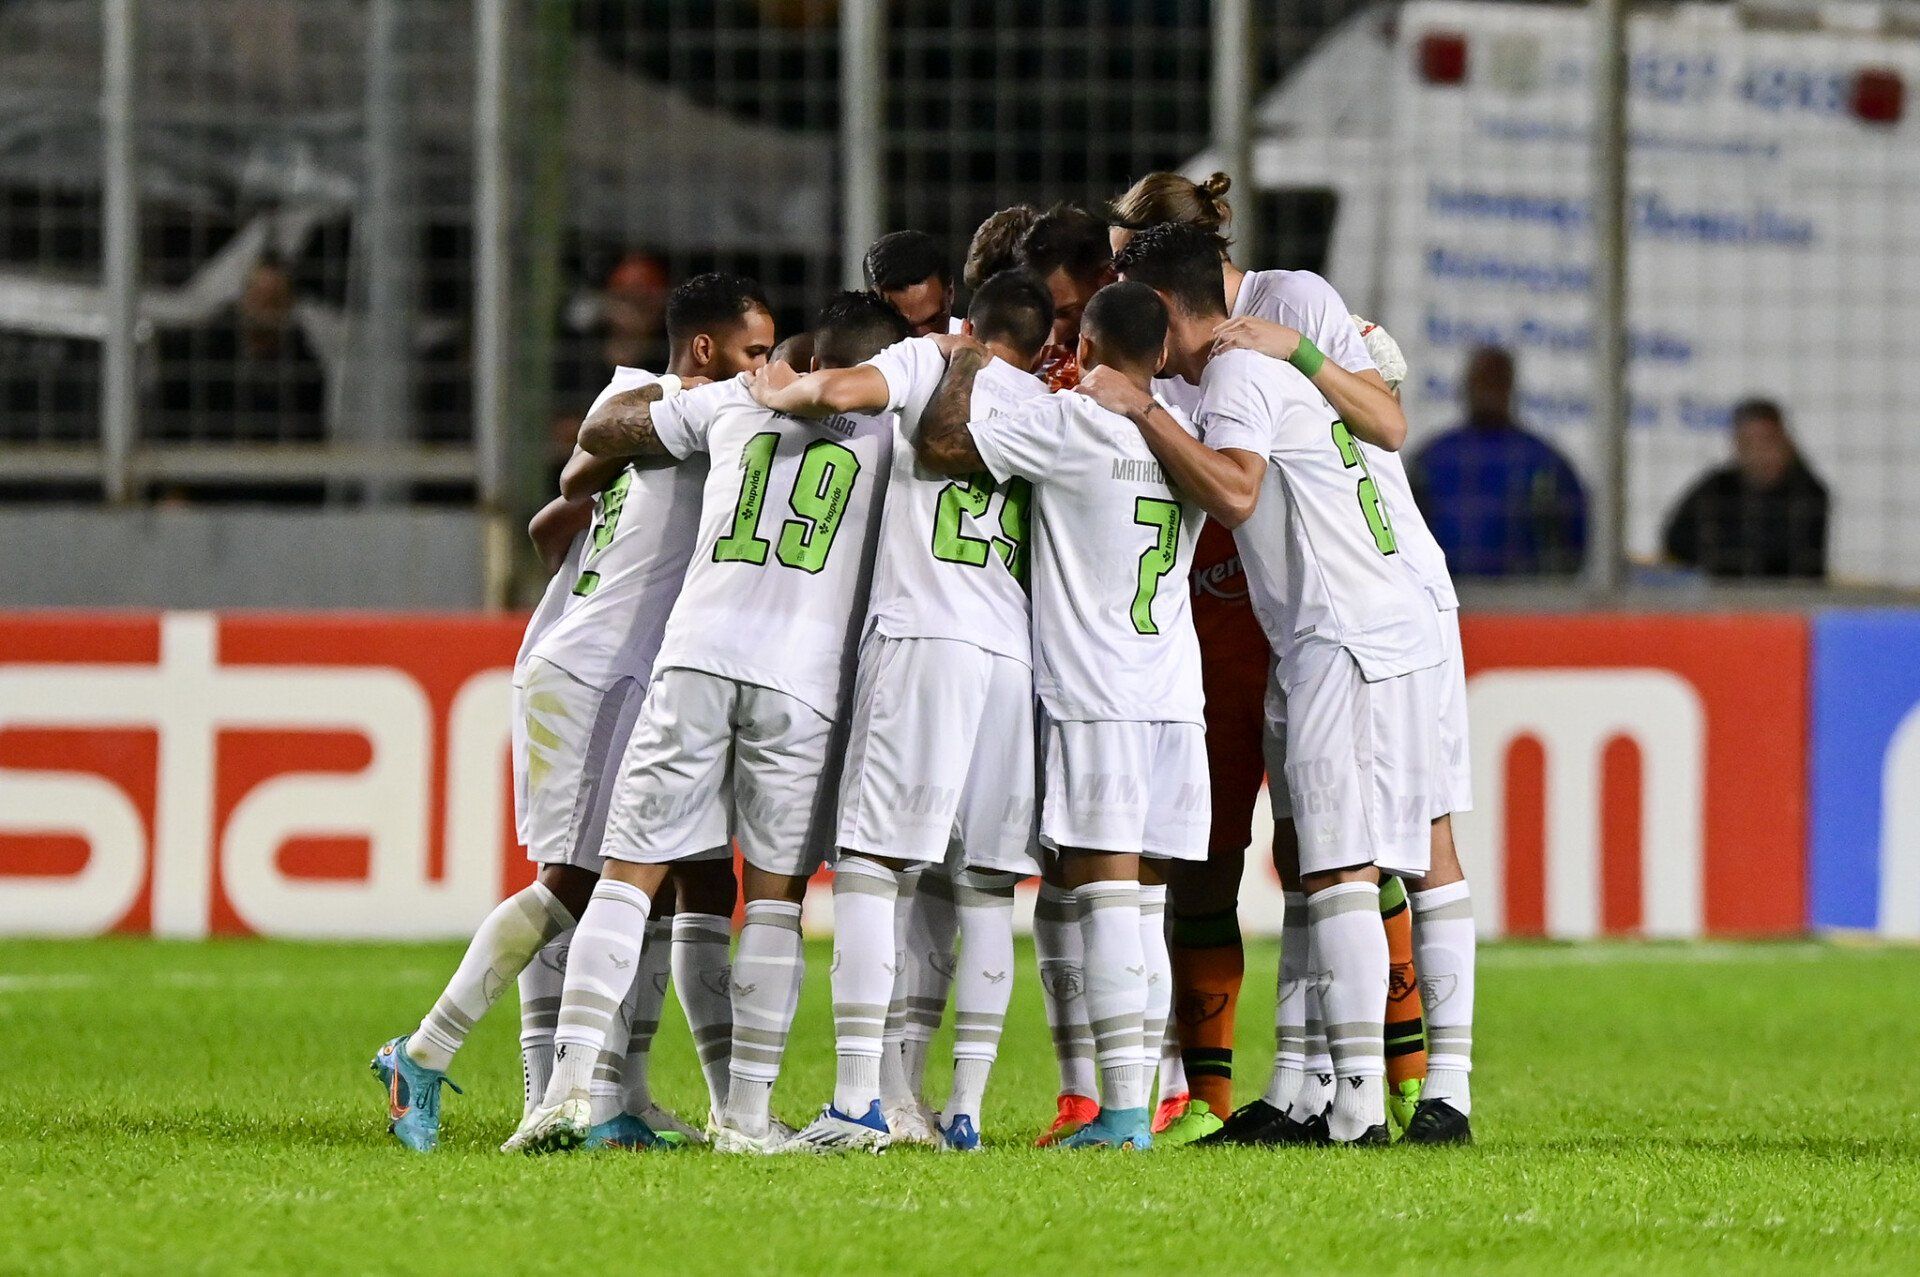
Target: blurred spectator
[
  {"x": 249, "y": 378},
  {"x": 1501, "y": 501},
  {"x": 1765, "y": 515},
  {"x": 623, "y": 325}
]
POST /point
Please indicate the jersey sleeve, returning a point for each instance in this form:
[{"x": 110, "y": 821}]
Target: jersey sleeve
[
  {"x": 624, "y": 379},
  {"x": 1235, "y": 409},
  {"x": 1025, "y": 443},
  {"x": 1327, "y": 322},
  {"x": 682, "y": 421},
  {"x": 912, "y": 369}
]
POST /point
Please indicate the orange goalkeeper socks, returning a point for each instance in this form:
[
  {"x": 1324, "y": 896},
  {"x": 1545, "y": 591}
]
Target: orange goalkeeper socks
[
  {"x": 1405, "y": 1030},
  {"x": 1208, "y": 963}
]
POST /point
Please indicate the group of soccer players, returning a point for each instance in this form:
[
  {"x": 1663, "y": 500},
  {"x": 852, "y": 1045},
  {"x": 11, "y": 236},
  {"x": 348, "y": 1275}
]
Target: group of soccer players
[{"x": 1045, "y": 591}]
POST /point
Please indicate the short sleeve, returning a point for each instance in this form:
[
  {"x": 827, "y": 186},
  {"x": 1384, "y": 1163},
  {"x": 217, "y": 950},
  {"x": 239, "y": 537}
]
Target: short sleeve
[
  {"x": 1327, "y": 322},
  {"x": 912, "y": 369},
  {"x": 682, "y": 421},
  {"x": 1235, "y": 410},
  {"x": 624, "y": 379},
  {"x": 1025, "y": 443}
]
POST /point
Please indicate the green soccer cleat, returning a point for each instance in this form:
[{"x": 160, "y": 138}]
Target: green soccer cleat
[
  {"x": 1402, "y": 1102},
  {"x": 1197, "y": 1123}
]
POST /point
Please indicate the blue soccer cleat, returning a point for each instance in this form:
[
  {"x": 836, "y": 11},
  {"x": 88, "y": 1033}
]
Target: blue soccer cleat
[
  {"x": 413, "y": 1096},
  {"x": 837, "y": 1132},
  {"x": 624, "y": 1130},
  {"x": 961, "y": 1135},
  {"x": 1115, "y": 1128}
]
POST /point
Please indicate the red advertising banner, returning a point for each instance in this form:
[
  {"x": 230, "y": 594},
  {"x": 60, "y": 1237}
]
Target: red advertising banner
[{"x": 188, "y": 774}]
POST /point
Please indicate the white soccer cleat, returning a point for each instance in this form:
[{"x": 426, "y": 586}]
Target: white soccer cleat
[
  {"x": 914, "y": 1123},
  {"x": 663, "y": 1120},
  {"x": 731, "y": 1139},
  {"x": 835, "y": 1132},
  {"x": 556, "y": 1128}
]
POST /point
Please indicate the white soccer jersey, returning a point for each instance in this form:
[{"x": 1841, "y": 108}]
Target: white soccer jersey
[
  {"x": 776, "y": 591},
  {"x": 631, "y": 566},
  {"x": 1308, "y": 304},
  {"x": 1112, "y": 626},
  {"x": 553, "y": 601},
  {"x": 952, "y": 561},
  {"x": 1320, "y": 551}
]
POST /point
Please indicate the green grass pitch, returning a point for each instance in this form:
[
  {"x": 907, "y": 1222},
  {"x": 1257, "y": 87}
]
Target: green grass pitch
[{"x": 1701, "y": 1110}]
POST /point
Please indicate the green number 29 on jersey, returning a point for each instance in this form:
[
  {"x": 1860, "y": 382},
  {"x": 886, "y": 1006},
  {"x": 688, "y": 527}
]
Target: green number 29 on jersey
[
  {"x": 822, "y": 490},
  {"x": 970, "y": 497}
]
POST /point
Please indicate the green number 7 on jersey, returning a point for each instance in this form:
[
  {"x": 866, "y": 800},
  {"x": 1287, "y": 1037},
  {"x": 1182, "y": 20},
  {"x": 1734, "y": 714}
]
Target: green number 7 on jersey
[{"x": 1157, "y": 559}]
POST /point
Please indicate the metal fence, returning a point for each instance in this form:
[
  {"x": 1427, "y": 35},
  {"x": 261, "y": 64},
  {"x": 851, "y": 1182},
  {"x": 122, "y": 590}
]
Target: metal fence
[{"x": 329, "y": 252}]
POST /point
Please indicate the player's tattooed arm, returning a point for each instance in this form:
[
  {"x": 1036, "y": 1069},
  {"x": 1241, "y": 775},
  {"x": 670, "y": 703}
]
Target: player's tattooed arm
[
  {"x": 1362, "y": 399},
  {"x": 862, "y": 388},
  {"x": 555, "y": 527},
  {"x": 1225, "y": 483},
  {"x": 586, "y": 475},
  {"x": 622, "y": 427},
  {"x": 945, "y": 445}
]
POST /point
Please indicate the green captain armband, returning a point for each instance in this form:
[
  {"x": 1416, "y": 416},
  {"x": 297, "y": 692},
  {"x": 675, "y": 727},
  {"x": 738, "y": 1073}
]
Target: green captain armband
[{"x": 1307, "y": 358}]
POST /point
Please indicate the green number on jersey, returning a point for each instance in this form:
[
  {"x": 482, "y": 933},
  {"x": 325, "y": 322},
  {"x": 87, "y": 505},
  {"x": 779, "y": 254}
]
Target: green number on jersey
[
  {"x": 1157, "y": 559},
  {"x": 743, "y": 544},
  {"x": 1015, "y": 499},
  {"x": 608, "y": 507},
  {"x": 821, "y": 492},
  {"x": 969, "y": 496},
  {"x": 1372, "y": 508}
]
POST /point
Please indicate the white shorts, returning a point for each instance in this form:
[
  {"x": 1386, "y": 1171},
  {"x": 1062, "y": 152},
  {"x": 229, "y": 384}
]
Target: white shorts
[
  {"x": 939, "y": 762},
  {"x": 1126, "y": 787},
  {"x": 1359, "y": 761},
  {"x": 568, "y": 737},
  {"x": 1453, "y": 766},
  {"x": 712, "y": 758}
]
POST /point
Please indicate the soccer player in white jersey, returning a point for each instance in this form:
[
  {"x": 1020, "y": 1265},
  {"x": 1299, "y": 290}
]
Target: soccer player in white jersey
[
  {"x": 738, "y": 727},
  {"x": 1117, "y": 670},
  {"x": 938, "y": 785},
  {"x": 586, "y": 654},
  {"x": 910, "y": 271},
  {"x": 1351, "y": 625}
]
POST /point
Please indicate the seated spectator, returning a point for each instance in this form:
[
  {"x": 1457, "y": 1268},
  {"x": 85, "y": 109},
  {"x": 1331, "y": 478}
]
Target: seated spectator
[
  {"x": 623, "y": 324},
  {"x": 1501, "y": 500},
  {"x": 249, "y": 378},
  {"x": 1765, "y": 515}
]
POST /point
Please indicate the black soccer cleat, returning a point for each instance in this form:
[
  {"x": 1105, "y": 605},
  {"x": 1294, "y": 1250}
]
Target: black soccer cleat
[
  {"x": 1245, "y": 1125},
  {"x": 1372, "y": 1137},
  {"x": 1311, "y": 1133},
  {"x": 1438, "y": 1122}
]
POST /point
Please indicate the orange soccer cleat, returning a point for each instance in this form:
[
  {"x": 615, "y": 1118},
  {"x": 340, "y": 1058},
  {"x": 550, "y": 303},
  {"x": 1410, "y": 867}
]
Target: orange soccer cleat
[{"x": 1075, "y": 1112}]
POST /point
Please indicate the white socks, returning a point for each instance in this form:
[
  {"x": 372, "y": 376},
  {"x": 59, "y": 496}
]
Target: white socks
[
  {"x": 983, "y": 984},
  {"x": 1290, "y": 1006},
  {"x": 932, "y": 921},
  {"x": 600, "y": 968},
  {"x": 766, "y": 992},
  {"x": 1159, "y": 962},
  {"x": 1445, "y": 946},
  {"x": 864, "y": 894},
  {"x": 702, "y": 971},
  {"x": 1116, "y": 992},
  {"x": 504, "y": 944},
  {"x": 649, "y": 996},
  {"x": 1348, "y": 953},
  {"x": 1057, "y": 944},
  {"x": 540, "y": 984}
]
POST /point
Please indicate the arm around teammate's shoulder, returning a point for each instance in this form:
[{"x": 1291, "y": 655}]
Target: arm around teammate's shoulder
[
  {"x": 622, "y": 426},
  {"x": 1225, "y": 483},
  {"x": 945, "y": 445}
]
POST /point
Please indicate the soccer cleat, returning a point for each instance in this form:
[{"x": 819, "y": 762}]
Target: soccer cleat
[
  {"x": 1075, "y": 1112},
  {"x": 961, "y": 1135},
  {"x": 913, "y": 1123},
  {"x": 1373, "y": 1137},
  {"x": 1438, "y": 1122},
  {"x": 1402, "y": 1102},
  {"x": 413, "y": 1096},
  {"x": 1246, "y": 1125},
  {"x": 624, "y": 1130},
  {"x": 1171, "y": 1109},
  {"x": 1308, "y": 1132},
  {"x": 731, "y": 1139},
  {"x": 835, "y": 1132},
  {"x": 1114, "y": 1128},
  {"x": 1192, "y": 1126},
  {"x": 665, "y": 1122},
  {"x": 556, "y": 1128}
]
